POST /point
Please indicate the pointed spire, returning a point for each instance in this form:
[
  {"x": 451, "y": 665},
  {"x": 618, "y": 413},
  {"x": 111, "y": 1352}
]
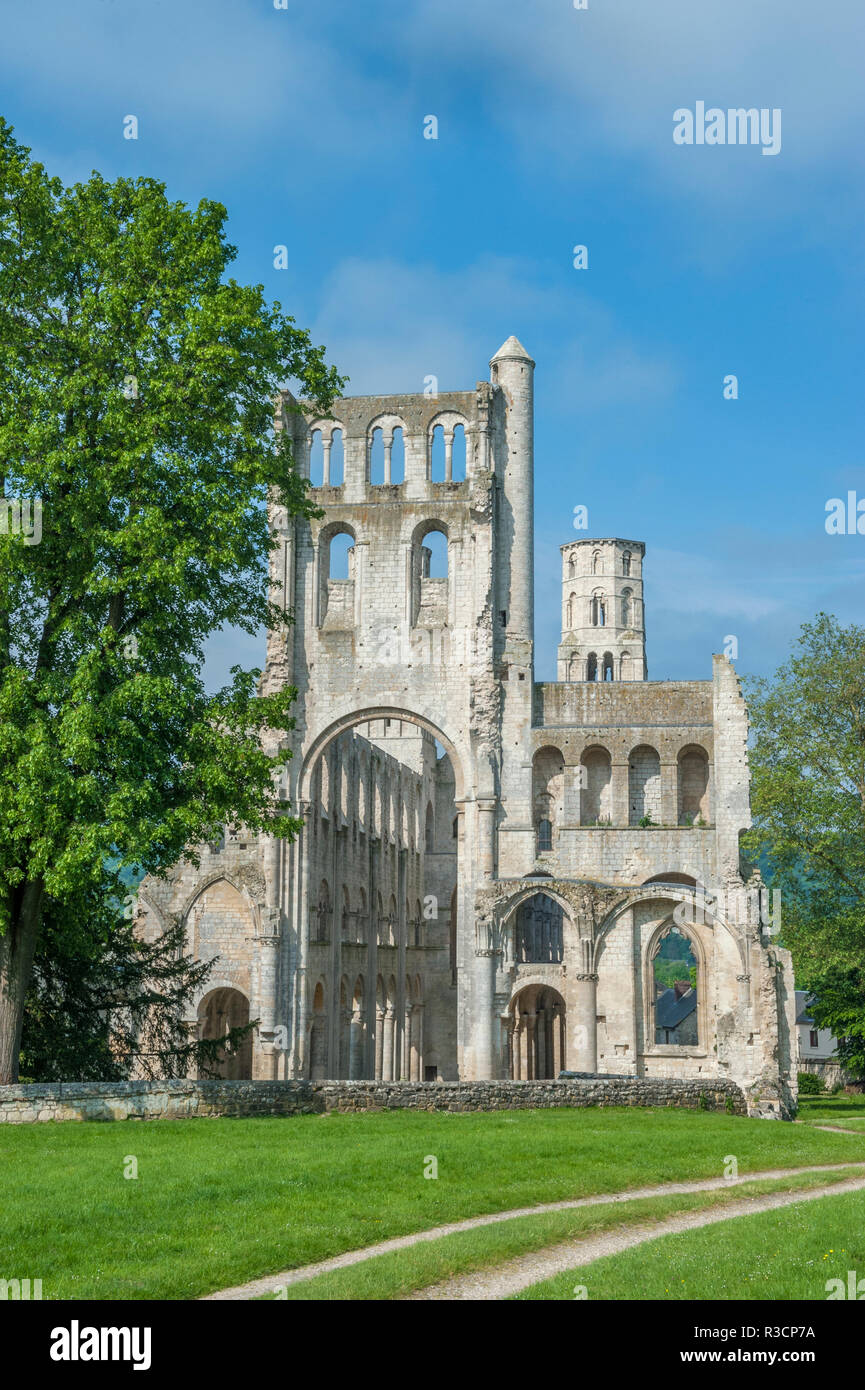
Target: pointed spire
[{"x": 513, "y": 348}]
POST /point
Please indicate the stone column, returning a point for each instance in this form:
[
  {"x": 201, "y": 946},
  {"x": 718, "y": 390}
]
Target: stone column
[
  {"x": 300, "y": 1064},
  {"x": 557, "y": 1040},
  {"x": 325, "y": 451},
  {"x": 405, "y": 1073},
  {"x": 356, "y": 1046},
  {"x": 419, "y": 1042},
  {"x": 486, "y": 837},
  {"x": 379, "y": 1044},
  {"x": 387, "y": 1060},
  {"x": 531, "y": 1046},
  {"x": 483, "y": 1021},
  {"x": 586, "y": 1030}
]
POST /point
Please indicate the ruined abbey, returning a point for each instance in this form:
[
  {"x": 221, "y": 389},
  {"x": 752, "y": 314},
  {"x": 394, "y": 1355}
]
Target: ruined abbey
[{"x": 496, "y": 877}]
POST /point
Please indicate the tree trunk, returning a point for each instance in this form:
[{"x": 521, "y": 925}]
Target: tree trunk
[{"x": 17, "y": 948}]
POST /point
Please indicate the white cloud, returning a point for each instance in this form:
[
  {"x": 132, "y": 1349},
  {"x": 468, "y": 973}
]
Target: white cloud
[
  {"x": 389, "y": 324},
  {"x": 614, "y": 74}
]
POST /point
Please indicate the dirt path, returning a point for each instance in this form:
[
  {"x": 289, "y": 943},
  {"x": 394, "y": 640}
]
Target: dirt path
[
  {"x": 256, "y": 1287},
  {"x": 512, "y": 1277}
]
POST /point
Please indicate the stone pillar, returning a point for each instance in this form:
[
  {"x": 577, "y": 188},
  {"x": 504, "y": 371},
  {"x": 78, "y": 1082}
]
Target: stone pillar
[
  {"x": 387, "y": 1060},
  {"x": 483, "y": 1021},
  {"x": 405, "y": 1072},
  {"x": 486, "y": 837},
  {"x": 531, "y": 1046},
  {"x": 300, "y": 1062},
  {"x": 586, "y": 1030},
  {"x": 356, "y": 1046},
  {"x": 558, "y": 1063},
  {"x": 379, "y": 1044},
  {"x": 325, "y": 451}
]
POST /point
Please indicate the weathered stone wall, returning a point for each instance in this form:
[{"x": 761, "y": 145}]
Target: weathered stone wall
[{"x": 174, "y": 1100}]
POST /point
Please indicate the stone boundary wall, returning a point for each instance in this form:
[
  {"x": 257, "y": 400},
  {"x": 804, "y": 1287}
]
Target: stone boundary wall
[{"x": 177, "y": 1100}]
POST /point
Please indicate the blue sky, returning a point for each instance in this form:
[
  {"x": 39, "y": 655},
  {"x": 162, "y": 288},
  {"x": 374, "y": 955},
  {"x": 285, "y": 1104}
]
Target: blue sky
[{"x": 411, "y": 256}]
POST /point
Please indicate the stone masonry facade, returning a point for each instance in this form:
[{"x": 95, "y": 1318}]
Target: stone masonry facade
[{"x": 497, "y": 878}]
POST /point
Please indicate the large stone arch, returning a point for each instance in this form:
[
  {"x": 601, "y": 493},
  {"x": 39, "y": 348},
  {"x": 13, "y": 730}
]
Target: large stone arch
[{"x": 460, "y": 760}]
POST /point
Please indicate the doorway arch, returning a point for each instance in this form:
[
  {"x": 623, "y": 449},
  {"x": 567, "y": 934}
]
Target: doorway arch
[
  {"x": 536, "y": 1034},
  {"x": 219, "y": 1011}
]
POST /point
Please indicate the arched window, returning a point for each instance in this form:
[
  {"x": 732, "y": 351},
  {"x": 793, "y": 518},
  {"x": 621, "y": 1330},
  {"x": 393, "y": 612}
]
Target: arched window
[
  {"x": 458, "y": 464},
  {"x": 693, "y": 786},
  {"x": 376, "y": 457},
  {"x": 434, "y": 556},
  {"x": 608, "y": 666},
  {"x": 429, "y": 575},
  {"x": 447, "y": 452},
  {"x": 676, "y": 990},
  {"x": 539, "y": 933},
  {"x": 595, "y": 785},
  {"x": 548, "y": 779},
  {"x": 572, "y": 611},
  {"x": 428, "y": 835},
  {"x": 324, "y": 785},
  {"x": 598, "y": 610},
  {"x": 644, "y": 786},
  {"x": 326, "y": 467},
  {"x": 322, "y": 925},
  {"x": 340, "y": 556},
  {"x": 627, "y": 609},
  {"x": 592, "y": 666},
  {"x": 596, "y": 562},
  {"x": 626, "y": 563},
  {"x": 625, "y": 667},
  {"x": 572, "y": 567},
  {"x": 337, "y": 459},
  {"x": 386, "y": 454},
  {"x": 316, "y": 459},
  {"x": 397, "y": 457}
]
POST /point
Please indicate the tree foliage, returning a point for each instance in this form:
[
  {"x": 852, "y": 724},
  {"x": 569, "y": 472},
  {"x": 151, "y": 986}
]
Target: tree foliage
[
  {"x": 105, "y": 1004},
  {"x": 808, "y": 800},
  {"x": 137, "y": 386}
]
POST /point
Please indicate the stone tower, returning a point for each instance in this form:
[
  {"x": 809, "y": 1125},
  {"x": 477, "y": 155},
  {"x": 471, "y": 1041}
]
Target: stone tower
[{"x": 603, "y": 617}]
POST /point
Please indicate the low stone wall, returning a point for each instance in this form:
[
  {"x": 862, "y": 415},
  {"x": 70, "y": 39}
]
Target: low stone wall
[{"x": 176, "y": 1100}]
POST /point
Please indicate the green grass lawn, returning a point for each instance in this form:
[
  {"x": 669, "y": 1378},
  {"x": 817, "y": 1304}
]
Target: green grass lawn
[
  {"x": 393, "y": 1276},
  {"x": 848, "y": 1111},
  {"x": 219, "y": 1202},
  {"x": 784, "y": 1254}
]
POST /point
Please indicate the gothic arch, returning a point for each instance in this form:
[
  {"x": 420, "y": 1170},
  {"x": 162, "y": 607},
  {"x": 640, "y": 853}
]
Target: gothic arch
[{"x": 459, "y": 761}]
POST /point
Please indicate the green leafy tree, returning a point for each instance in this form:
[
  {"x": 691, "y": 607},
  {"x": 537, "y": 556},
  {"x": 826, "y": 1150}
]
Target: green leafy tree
[
  {"x": 137, "y": 384},
  {"x": 808, "y": 800},
  {"x": 105, "y": 1004}
]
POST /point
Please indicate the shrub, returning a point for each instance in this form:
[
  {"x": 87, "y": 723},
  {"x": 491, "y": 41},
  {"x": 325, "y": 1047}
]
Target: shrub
[{"x": 810, "y": 1084}]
